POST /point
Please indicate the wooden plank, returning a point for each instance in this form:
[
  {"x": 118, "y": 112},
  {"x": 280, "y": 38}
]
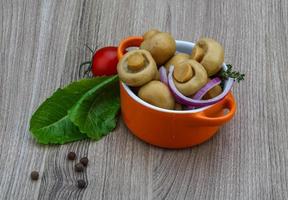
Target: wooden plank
[{"x": 41, "y": 47}]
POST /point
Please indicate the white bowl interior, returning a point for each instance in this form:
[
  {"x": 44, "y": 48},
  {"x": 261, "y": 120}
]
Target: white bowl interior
[{"x": 183, "y": 47}]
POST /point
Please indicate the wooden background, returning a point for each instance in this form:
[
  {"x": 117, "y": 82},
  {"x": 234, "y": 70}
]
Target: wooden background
[{"x": 41, "y": 47}]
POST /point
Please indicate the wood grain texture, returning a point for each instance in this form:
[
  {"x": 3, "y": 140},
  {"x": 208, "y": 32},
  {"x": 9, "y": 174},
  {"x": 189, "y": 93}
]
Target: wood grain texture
[{"x": 41, "y": 47}]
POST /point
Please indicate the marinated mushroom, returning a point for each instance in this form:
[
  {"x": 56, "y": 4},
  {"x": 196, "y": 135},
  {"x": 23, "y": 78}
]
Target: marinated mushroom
[
  {"x": 137, "y": 67},
  {"x": 176, "y": 59},
  {"x": 161, "y": 45},
  {"x": 210, "y": 54},
  {"x": 150, "y": 33},
  {"x": 195, "y": 77},
  {"x": 150, "y": 93},
  {"x": 214, "y": 92}
]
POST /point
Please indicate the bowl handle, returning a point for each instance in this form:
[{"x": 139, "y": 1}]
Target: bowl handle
[
  {"x": 227, "y": 103},
  {"x": 132, "y": 41}
]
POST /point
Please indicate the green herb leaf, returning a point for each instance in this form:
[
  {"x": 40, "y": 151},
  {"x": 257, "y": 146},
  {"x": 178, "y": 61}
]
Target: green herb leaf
[
  {"x": 50, "y": 123},
  {"x": 95, "y": 112},
  {"x": 232, "y": 74}
]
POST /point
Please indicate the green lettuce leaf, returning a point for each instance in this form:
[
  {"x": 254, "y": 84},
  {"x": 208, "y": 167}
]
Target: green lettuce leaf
[
  {"x": 95, "y": 113},
  {"x": 50, "y": 124}
]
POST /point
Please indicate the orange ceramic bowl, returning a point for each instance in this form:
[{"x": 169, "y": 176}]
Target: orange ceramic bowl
[{"x": 171, "y": 128}]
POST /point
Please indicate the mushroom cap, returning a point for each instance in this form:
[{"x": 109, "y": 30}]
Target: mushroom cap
[
  {"x": 157, "y": 94},
  {"x": 162, "y": 47},
  {"x": 176, "y": 59},
  {"x": 150, "y": 33},
  {"x": 199, "y": 79},
  {"x": 210, "y": 54},
  {"x": 141, "y": 76}
]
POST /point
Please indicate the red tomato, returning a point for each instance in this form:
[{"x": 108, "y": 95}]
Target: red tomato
[{"x": 104, "y": 61}]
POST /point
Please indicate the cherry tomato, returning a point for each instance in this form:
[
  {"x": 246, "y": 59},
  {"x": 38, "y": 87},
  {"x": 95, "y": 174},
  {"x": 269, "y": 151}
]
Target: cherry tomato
[{"x": 104, "y": 61}]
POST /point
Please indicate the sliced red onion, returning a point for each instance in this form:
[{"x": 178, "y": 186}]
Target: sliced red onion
[
  {"x": 212, "y": 83},
  {"x": 193, "y": 102},
  {"x": 163, "y": 75}
]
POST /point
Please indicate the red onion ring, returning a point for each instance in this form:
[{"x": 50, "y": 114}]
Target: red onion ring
[
  {"x": 212, "y": 83},
  {"x": 163, "y": 75},
  {"x": 193, "y": 102}
]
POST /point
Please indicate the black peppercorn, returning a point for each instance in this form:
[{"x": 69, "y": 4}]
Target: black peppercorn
[
  {"x": 71, "y": 155},
  {"x": 84, "y": 161},
  {"x": 81, "y": 184},
  {"x": 79, "y": 167},
  {"x": 34, "y": 175}
]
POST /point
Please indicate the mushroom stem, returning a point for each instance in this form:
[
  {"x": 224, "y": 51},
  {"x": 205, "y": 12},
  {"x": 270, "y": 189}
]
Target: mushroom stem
[
  {"x": 198, "y": 53},
  {"x": 136, "y": 62},
  {"x": 183, "y": 72}
]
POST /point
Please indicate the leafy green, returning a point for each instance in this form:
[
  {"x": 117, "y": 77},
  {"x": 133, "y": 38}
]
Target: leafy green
[
  {"x": 95, "y": 112},
  {"x": 232, "y": 74},
  {"x": 50, "y": 124}
]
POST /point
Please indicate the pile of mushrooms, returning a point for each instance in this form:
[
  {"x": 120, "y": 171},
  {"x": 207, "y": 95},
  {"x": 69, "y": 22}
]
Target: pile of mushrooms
[{"x": 182, "y": 76}]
